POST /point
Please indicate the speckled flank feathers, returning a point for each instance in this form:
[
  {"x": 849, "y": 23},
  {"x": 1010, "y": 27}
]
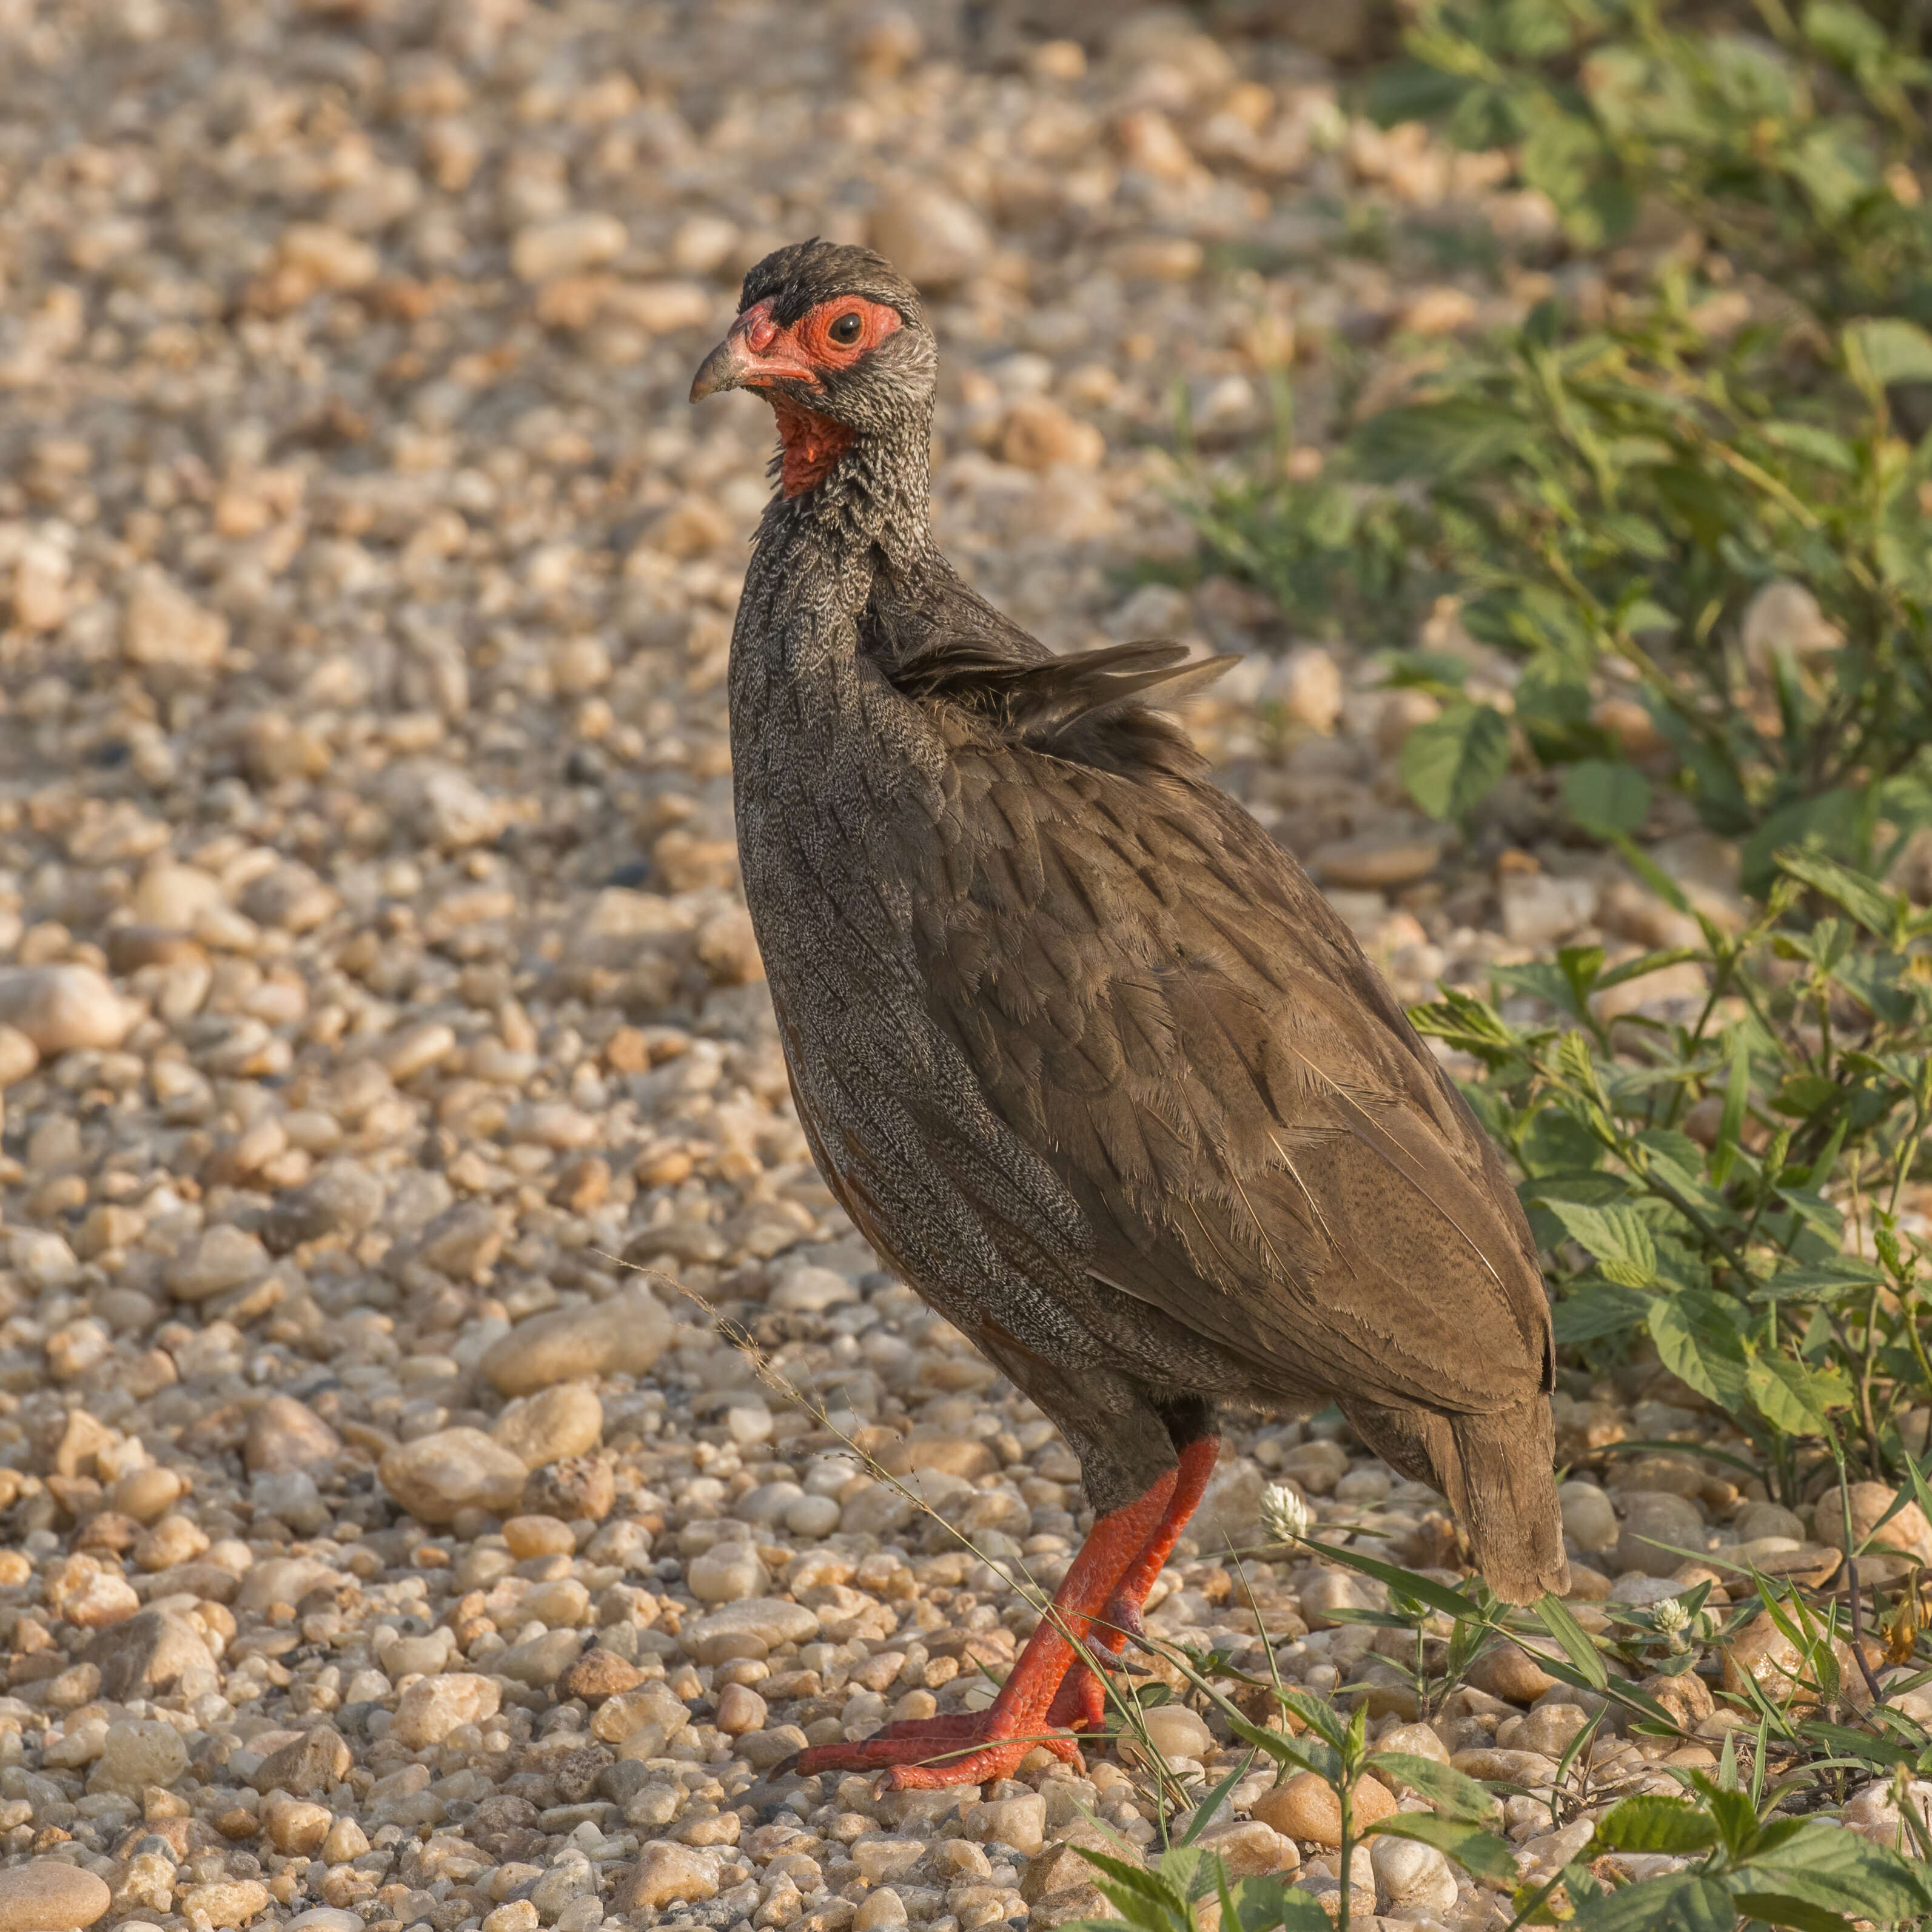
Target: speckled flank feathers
[{"x": 1078, "y": 1046}]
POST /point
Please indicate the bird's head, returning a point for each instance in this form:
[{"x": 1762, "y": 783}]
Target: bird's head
[{"x": 838, "y": 345}]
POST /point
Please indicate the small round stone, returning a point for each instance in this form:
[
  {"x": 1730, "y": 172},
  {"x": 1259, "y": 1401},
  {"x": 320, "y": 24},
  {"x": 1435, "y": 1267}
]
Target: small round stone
[
  {"x": 436, "y": 1476},
  {"x": 1589, "y": 1519},
  {"x": 1412, "y": 1878},
  {"x": 45, "y": 1897},
  {"x": 428, "y": 1710},
  {"x": 64, "y": 1008},
  {"x": 739, "y": 1708},
  {"x": 1176, "y": 1732},
  {"x": 726, "y": 1573},
  {"x": 665, "y": 1874},
  {"x": 599, "y": 1674},
  {"x": 285, "y": 1435},
  {"x": 559, "y": 1422},
  {"x": 1306, "y": 1808},
  {"x": 812, "y": 1517},
  {"x": 624, "y": 1336},
  {"x": 139, "y": 1753},
  {"x": 539, "y": 1536}
]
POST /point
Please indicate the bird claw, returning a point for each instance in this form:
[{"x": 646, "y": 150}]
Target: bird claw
[{"x": 1125, "y": 1618}]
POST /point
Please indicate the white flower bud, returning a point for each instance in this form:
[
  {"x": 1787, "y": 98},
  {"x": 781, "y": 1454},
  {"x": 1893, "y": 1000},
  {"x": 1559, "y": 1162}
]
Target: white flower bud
[
  {"x": 1285, "y": 1513},
  {"x": 1671, "y": 1619}
]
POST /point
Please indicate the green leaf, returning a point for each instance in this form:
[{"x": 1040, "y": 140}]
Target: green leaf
[
  {"x": 1887, "y": 349},
  {"x": 1846, "y": 34},
  {"x": 1830, "y": 1866},
  {"x": 1419, "y": 670},
  {"x": 1557, "y": 1142},
  {"x": 1142, "y": 1898},
  {"x": 1650, "y": 1822},
  {"x": 1614, "y": 1237},
  {"x": 1191, "y": 1872},
  {"x": 1817, "y": 445},
  {"x": 1684, "y": 1902},
  {"x": 1445, "y": 440},
  {"x": 1698, "y": 1341},
  {"x": 1452, "y": 1793},
  {"x": 1438, "y": 1596},
  {"x": 1409, "y": 90},
  {"x": 1792, "y": 1398},
  {"x": 1737, "y": 1095},
  {"x": 1606, "y": 796},
  {"x": 1204, "y": 1811},
  {"x": 1874, "y": 908},
  {"x": 1471, "y": 1847},
  {"x": 1648, "y": 962},
  {"x": 1776, "y": 1909},
  {"x": 1564, "y": 157},
  {"x": 1561, "y": 1625},
  {"x": 1594, "y": 1308},
  {"x": 1453, "y": 763},
  {"x": 1262, "y": 1904},
  {"x": 1834, "y": 163},
  {"x": 1828, "y": 822}
]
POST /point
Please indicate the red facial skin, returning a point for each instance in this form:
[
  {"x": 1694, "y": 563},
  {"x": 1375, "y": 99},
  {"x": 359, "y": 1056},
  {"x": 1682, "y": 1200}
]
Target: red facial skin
[{"x": 805, "y": 352}]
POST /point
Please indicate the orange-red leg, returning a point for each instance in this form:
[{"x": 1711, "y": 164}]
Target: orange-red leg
[
  {"x": 975, "y": 1748},
  {"x": 1080, "y": 1703}
]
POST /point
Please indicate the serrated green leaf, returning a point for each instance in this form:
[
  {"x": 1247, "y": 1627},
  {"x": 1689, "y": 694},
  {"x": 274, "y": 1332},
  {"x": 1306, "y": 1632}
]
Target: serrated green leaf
[
  {"x": 1830, "y": 1866},
  {"x": 1453, "y": 763},
  {"x": 1142, "y": 1897},
  {"x": 1593, "y": 1310},
  {"x": 1193, "y": 1872},
  {"x": 1651, "y": 1822},
  {"x": 1698, "y": 1341},
  {"x": 1615, "y": 1235},
  {"x": 1791, "y": 1397},
  {"x": 1775, "y": 1909},
  {"x": 1684, "y": 1902},
  {"x": 1261, "y": 1904}
]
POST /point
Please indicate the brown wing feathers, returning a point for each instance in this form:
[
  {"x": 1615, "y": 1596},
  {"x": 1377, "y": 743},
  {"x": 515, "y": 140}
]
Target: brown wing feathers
[{"x": 1157, "y": 1011}]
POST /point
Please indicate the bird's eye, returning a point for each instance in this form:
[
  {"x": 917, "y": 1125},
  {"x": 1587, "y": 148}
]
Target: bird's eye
[{"x": 846, "y": 329}]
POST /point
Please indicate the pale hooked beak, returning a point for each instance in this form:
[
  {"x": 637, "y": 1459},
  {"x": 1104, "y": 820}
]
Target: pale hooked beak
[
  {"x": 744, "y": 358},
  {"x": 725, "y": 367}
]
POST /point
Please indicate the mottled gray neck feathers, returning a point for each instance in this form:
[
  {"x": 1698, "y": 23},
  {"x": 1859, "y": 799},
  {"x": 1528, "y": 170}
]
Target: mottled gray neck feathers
[{"x": 875, "y": 496}]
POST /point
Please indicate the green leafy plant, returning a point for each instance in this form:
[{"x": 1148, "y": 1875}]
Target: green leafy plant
[
  {"x": 1807, "y": 1074},
  {"x": 1634, "y": 514},
  {"x": 1788, "y": 139},
  {"x": 1745, "y": 1856},
  {"x": 1702, "y": 522}
]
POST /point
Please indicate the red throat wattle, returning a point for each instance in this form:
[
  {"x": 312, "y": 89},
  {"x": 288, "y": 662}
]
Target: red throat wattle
[{"x": 812, "y": 444}]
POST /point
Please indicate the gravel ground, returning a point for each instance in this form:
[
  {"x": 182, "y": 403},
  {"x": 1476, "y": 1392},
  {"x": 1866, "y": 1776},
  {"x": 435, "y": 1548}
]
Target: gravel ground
[{"x": 383, "y": 1549}]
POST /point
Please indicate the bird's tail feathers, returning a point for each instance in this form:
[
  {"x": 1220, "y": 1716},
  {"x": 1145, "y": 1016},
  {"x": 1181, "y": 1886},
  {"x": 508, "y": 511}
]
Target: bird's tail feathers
[
  {"x": 1506, "y": 1496},
  {"x": 1496, "y": 1470}
]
